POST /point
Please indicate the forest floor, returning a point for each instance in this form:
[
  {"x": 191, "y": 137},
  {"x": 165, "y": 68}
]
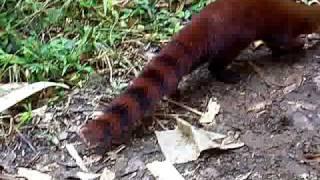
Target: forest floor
[{"x": 275, "y": 109}]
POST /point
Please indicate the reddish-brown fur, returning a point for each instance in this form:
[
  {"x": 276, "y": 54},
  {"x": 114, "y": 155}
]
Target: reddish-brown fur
[{"x": 217, "y": 34}]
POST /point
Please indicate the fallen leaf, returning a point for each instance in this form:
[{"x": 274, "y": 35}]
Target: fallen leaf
[
  {"x": 186, "y": 142},
  {"x": 33, "y": 174},
  {"x": 107, "y": 175},
  {"x": 22, "y": 93},
  {"x": 164, "y": 171},
  {"x": 8, "y": 87},
  {"x": 213, "y": 109},
  {"x": 87, "y": 176}
]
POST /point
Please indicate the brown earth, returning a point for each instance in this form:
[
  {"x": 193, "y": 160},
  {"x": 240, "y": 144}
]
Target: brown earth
[{"x": 282, "y": 136}]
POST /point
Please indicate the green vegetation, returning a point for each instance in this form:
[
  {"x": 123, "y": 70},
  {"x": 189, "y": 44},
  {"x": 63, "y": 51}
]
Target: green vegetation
[{"x": 67, "y": 40}]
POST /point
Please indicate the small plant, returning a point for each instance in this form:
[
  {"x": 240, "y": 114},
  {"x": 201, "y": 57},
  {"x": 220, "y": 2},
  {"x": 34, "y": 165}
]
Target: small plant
[
  {"x": 26, "y": 116},
  {"x": 53, "y": 40}
]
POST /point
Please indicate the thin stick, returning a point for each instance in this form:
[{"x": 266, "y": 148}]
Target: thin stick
[
  {"x": 10, "y": 127},
  {"x": 160, "y": 123},
  {"x": 34, "y": 158},
  {"x": 110, "y": 70},
  {"x": 185, "y": 107},
  {"x": 25, "y": 140}
]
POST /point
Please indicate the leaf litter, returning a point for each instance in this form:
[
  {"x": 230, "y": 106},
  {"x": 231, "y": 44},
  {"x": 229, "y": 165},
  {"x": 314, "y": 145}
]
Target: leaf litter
[{"x": 186, "y": 142}]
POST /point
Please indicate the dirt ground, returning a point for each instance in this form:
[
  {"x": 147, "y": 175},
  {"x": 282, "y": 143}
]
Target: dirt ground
[{"x": 275, "y": 108}]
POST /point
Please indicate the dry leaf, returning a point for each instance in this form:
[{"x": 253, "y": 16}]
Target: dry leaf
[
  {"x": 213, "y": 109},
  {"x": 164, "y": 171},
  {"x": 186, "y": 142},
  {"x": 22, "y": 93},
  {"x": 257, "y": 44},
  {"x": 33, "y": 174},
  {"x": 7, "y": 88},
  {"x": 107, "y": 175},
  {"x": 87, "y": 176}
]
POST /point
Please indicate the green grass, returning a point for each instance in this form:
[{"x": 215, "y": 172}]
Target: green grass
[
  {"x": 62, "y": 40},
  {"x": 66, "y": 40}
]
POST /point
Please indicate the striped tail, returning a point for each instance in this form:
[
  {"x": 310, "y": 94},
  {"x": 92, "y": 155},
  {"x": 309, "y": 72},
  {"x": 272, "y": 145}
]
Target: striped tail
[{"x": 159, "y": 78}]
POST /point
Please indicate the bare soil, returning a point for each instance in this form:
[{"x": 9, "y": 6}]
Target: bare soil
[{"x": 275, "y": 108}]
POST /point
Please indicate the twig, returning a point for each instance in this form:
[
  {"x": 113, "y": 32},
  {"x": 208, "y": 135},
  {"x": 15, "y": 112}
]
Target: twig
[
  {"x": 34, "y": 158},
  {"x": 10, "y": 127},
  {"x": 160, "y": 123},
  {"x": 3, "y": 4},
  {"x": 124, "y": 3},
  {"x": 66, "y": 108},
  {"x": 112, "y": 153},
  {"x": 5, "y": 116},
  {"x": 120, "y": 148},
  {"x": 312, "y": 157},
  {"x": 25, "y": 140},
  {"x": 185, "y": 107},
  {"x": 110, "y": 70}
]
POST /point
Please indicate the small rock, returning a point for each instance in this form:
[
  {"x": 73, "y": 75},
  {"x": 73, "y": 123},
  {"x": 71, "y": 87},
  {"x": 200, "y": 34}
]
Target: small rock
[{"x": 301, "y": 121}]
